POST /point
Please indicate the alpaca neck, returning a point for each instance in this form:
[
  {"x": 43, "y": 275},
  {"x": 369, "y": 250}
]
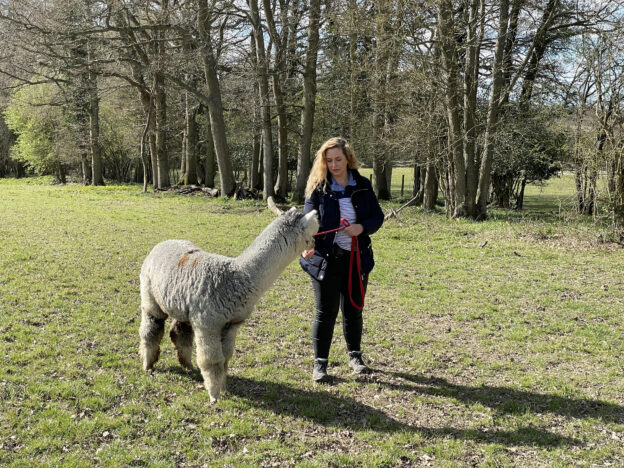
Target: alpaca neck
[{"x": 264, "y": 260}]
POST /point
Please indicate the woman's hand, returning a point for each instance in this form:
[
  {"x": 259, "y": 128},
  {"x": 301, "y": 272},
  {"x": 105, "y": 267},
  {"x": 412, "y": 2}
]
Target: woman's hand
[
  {"x": 307, "y": 253},
  {"x": 354, "y": 230}
]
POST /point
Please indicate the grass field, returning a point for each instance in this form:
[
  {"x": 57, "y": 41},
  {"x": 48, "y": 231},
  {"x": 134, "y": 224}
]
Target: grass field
[{"x": 496, "y": 343}]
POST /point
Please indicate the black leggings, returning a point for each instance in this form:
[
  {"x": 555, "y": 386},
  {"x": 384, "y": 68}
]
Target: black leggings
[{"x": 331, "y": 293}]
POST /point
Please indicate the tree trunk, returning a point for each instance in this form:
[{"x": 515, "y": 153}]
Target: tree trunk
[
  {"x": 277, "y": 76},
  {"x": 520, "y": 199},
  {"x": 309, "y": 102},
  {"x": 580, "y": 195},
  {"x": 502, "y": 186},
  {"x": 153, "y": 155},
  {"x": 210, "y": 171},
  {"x": 190, "y": 147},
  {"x": 457, "y": 165},
  {"x": 215, "y": 105},
  {"x": 611, "y": 176},
  {"x": 254, "y": 172},
  {"x": 512, "y": 33},
  {"x": 430, "y": 192},
  {"x": 254, "y": 178},
  {"x": 493, "y": 112},
  {"x": 160, "y": 112},
  {"x": 146, "y": 95},
  {"x": 85, "y": 169},
  {"x": 471, "y": 75},
  {"x": 578, "y": 157},
  {"x": 417, "y": 185},
  {"x": 94, "y": 139},
  {"x": 382, "y": 167},
  {"x": 382, "y": 171},
  {"x": 93, "y": 109},
  {"x": 61, "y": 173},
  {"x": 183, "y": 154},
  {"x": 618, "y": 205},
  {"x": 261, "y": 162},
  {"x": 354, "y": 87},
  {"x": 144, "y": 160},
  {"x": 263, "y": 82},
  {"x": 591, "y": 202},
  {"x": 281, "y": 183}
]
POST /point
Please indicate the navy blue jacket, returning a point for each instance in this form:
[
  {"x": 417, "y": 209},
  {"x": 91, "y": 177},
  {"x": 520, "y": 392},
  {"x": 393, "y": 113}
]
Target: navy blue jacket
[{"x": 367, "y": 213}]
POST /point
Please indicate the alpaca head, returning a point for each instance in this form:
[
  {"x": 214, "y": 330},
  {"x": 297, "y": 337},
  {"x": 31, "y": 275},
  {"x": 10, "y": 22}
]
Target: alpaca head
[{"x": 303, "y": 225}]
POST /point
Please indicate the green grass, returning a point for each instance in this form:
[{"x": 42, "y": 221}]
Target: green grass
[
  {"x": 557, "y": 195},
  {"x": 496, "y": 343}
]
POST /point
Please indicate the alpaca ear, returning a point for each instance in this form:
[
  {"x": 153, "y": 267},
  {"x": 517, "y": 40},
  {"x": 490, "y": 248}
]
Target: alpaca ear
[
  {"x": 292, "y": 210},
  {"x": 310, "y": 221}
]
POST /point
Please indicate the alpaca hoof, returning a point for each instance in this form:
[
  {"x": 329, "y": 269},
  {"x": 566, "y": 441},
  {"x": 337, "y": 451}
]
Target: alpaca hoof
[
  {"x": 187, "y": 365},
  {"x": 149, "y": 359},
  {"x": 213, "y": 400}
]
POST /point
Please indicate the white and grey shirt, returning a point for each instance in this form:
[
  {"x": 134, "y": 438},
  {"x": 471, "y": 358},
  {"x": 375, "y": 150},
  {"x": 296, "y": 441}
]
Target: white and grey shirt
[{"x": 346, "y": 210}]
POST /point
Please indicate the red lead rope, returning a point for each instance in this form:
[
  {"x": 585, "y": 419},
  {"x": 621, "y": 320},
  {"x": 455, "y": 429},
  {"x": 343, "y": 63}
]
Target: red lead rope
[{"x": 355, "y": 251}]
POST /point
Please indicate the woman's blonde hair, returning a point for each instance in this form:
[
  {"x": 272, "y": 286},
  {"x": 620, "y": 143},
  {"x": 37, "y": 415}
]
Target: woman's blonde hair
[{"x": 319, "y": 168}]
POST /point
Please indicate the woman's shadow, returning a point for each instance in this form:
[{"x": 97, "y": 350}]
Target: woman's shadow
[
  {"x": 330, "y": 410},
  {"x": 508, "y": 400}
]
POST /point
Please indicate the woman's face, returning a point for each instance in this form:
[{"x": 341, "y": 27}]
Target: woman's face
[{"x": 336, "y": 162}]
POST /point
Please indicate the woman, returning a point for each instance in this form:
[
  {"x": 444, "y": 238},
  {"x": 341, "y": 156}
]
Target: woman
[{"x": 337, "y": 190}]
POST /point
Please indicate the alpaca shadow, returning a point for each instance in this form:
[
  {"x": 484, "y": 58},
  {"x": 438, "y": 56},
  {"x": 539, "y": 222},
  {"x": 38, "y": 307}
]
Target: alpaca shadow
[
  {"x": 329, "y": 410},
  {"x": 193, "y": 373},
  {"x": 507, "y": 400}
]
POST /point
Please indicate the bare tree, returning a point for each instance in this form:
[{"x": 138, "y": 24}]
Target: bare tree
[
  {"x": 493, "y": 111},
  {"x": 214, "y": 102},
  {"x": 309, "y": 100},
  {"x": 265, "y": 100}
]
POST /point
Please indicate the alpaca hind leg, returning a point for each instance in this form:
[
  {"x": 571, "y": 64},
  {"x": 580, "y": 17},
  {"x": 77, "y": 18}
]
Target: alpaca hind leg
[
  {"x": 152, "y": 325},
  {"x": 210, "y": 360},
  {"x": 151, "y": 332},
  {"x": 181, "y": 335},
  {"x": 228, "y": 340}
]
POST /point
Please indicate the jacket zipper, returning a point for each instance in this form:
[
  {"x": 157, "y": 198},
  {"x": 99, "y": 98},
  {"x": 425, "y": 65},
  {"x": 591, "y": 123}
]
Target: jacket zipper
[{"x": 354, "y": 192}]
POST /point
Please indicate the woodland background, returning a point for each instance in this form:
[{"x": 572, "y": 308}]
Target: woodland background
[{"x": 479, "y": 97}]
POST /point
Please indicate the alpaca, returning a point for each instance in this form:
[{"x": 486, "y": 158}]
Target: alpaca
[{"x": 209, "y": 296}]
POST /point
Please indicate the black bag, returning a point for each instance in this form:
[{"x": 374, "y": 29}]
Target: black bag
[{"x": 314, "y": 266}]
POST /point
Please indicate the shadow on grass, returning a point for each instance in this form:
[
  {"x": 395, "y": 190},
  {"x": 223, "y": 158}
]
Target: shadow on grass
[
  {"x": 509, "y": 400},
  {"x": 193, "y": 373},
  {"x": 335, "y": 411}
]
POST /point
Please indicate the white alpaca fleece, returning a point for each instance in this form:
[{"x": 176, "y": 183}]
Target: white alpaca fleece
[{"x": 210, "y": 295}]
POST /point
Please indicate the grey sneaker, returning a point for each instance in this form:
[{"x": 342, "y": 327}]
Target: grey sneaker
[
  {"x": 319, "y": 374},
  {"x": 357, "y": 364}
]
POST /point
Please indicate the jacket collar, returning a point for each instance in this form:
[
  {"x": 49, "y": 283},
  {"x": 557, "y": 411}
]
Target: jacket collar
[{"x": 336, "y": 187}]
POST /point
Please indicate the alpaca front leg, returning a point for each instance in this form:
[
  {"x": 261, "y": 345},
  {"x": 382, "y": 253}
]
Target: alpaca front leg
[
  {"x": 181, "y": 335},
  {"x": 151, "y": 332},
  {"x": 211, "y": 361},
  {"x": 228, "y": 340}
]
